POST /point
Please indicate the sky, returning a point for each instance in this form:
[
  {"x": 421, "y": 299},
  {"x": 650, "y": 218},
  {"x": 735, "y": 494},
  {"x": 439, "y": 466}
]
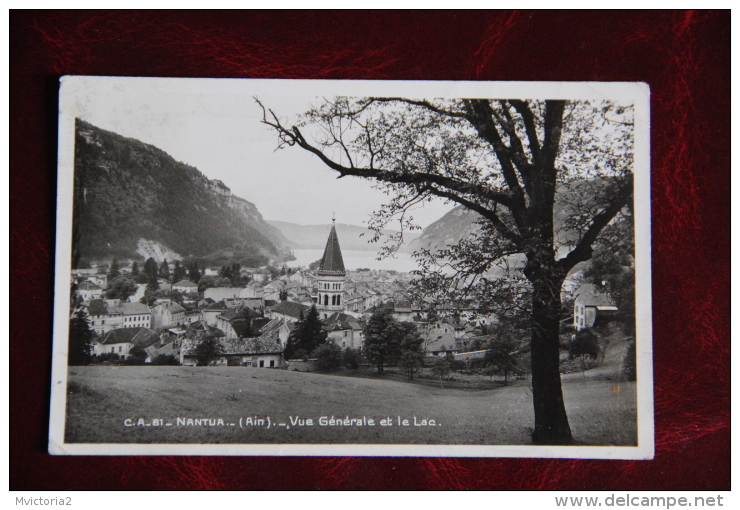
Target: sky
[{"x": 214, "y": 126}]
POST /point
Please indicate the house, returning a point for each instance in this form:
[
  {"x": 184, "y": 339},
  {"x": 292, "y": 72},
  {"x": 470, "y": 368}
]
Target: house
[
  {"x": 88, "y": 290},
  {"x": 120, "y": 341},
  {"x": 210, "y": 312},
  {"x": 591, "y": 306},
  {"x": 440, "y": 345},
  {"x": 251, "y": 296},
  {"x": 167, "y": 314},
  {"x": 192, "y": 316},
  {"x": 289, "y": 310},
  {"x": 273, "y": 289},
  {"x": 238, "y": 323},
  {"x": 278, "y": 329},
  {"x": 222, "y": 293},
  {"x": 245, "y": 352},
  {"x": 186, "y": 287},
  {"x": 405, "y": 312},
  {"x": 102, "y": 320},
  {"x": 344, "y": 330},
  {"x": 106, "y": 315},
  {"x": 135, "y": 315}
]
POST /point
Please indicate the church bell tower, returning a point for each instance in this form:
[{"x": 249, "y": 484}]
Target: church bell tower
[{"x": 331, "y": 275}]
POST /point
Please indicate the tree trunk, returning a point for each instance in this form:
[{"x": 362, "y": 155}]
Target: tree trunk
[{"x": 550, "y": 420}]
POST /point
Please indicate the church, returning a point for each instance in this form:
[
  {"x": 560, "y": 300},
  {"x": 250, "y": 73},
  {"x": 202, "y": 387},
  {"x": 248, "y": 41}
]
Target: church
[{"x": 331, "y": 277}]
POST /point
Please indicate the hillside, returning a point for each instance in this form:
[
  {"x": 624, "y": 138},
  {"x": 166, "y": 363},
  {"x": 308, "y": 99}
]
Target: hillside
[
  {"x": 351, "y": 237},
  {"x": 133, "y": 200},
  {"x": 460, "y": 222}
]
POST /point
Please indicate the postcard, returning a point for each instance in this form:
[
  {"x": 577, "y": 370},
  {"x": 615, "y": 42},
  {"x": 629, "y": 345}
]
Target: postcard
[{"x": 354, "y": 268}]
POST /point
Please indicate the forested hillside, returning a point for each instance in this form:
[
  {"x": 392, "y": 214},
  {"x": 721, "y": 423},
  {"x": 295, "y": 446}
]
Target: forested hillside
[{"x": 126, "y": 191}]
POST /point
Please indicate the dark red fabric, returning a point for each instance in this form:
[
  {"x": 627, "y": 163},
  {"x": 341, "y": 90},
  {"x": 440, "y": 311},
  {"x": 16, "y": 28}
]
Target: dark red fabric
[{"x": 683, "y": 56}]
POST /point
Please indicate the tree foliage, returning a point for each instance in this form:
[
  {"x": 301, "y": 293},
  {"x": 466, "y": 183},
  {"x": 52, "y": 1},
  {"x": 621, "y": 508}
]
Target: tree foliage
[
  {"x": 150, "y": 268},
  {"x": 328, "y": 356},
  {"x": 613, "y": 267},
  {"x": 207, "y": 350},
  {"x": 506, "y": 160},
  {"x": 410, "y": 362},
  {"x": 386, "y": 338},
  {"x": 178, "y": 272},
  {"x": 146, "y": 194},
  {"x": 164, "y": 270},
  {"x": 500, "y": 356},
  {"x": 121, "y": 288},
  {"x": 113, "y": 271},
  {"x": 629, "y": 363},
  {"x": 351, "y": 358},
  {"x": 80, "y": 339},
  {"x": 584, "y": 345},
  {"x": 307, "y": 336}
]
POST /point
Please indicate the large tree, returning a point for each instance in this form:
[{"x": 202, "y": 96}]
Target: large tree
[
  {"x": 80, "y": 339},
  {"x": 507, "y": 160},
  {"x": 121, "y": 288},
  {"x": 307, "y": 336},
  {"x": 386, "y": 338}
]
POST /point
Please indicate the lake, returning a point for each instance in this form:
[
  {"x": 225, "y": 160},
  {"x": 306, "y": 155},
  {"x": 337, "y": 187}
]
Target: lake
[{"x": 354, "y": 259}]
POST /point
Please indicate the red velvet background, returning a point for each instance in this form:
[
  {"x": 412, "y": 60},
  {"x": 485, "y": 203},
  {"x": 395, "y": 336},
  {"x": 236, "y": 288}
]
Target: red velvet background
[{"x": 683, "y": 56}]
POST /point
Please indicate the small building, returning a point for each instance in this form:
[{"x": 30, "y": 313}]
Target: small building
[
  {"x": 88, "y": 290},
  {"x": 289, "y": 310},
  {"x": 135, "y": 315},
  {"x": 238, "y": 323},
  {"x": 592, "y": 306},
  {"x": 210, "y": 312},
  {"x": 167, "y": 314},
  {"x": 344, "y": 330},
  {"x": 265, "y": 351},
  {"x": 120, "y": 341},
  {"x": 186, "y": 287}
]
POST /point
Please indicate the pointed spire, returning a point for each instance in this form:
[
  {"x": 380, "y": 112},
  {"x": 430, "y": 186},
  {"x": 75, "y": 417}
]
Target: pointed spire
[{"x": 332, "y": 263}]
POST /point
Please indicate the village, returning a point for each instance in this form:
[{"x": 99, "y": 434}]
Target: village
[{"x": 253, "y": 323}]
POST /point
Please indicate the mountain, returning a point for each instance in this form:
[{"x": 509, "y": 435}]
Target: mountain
[
  {"x": 446, "y": 231},
  {"x": 460, "y": 222},
  {"x": 351, "y": 237},
  {"x": 132, "y": 200}
]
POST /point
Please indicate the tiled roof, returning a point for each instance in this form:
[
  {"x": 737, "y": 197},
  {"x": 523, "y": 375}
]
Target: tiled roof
[
  {"x": 291, "y": 309},
  {"x": 216, "y": 306},
  {"x": 87, "y": 286},
  {"x": 246, "y": 346},
  {"x": 185, "y": 283},
  {"x": 589, "y": 295},
  {"x": 97, "y": 307},
  {"x": 444, "y": 342},
  {"x": 134, "y": 308},
  {"x": 235, "y": 313},
  {"x": 272, "y": 325},
  {"x": 331, "y": 262},
  {"x": 142, "y": 337},
  {"x": 340, "y": 321}
]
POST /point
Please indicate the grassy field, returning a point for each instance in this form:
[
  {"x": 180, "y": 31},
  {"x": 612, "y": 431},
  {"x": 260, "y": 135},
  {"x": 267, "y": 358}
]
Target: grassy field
[{"x": 102, "y": 398}]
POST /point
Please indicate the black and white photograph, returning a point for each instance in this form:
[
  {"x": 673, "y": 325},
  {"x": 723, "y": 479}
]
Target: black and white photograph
[{"x": 298, "y": 267}]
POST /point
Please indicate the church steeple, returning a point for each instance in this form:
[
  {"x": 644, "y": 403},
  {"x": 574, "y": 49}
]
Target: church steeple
[
  {"x": 332, "y": 263},
  {"x": 331, "y": 273}
]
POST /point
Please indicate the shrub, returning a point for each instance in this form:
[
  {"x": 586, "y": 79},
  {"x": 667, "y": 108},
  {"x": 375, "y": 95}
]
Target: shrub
[
  {"x": 167, "y": 359},
  {"x": 585, "y": 344},
  {"x": 328, "y": 356},
  {"x": 629, "y": 363},
  {"x": 410, "y": 362},
  {"x": 351, "y": 358}
]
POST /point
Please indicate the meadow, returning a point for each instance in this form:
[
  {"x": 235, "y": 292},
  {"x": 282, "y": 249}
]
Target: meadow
[{"x": 152, "y": 404}]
